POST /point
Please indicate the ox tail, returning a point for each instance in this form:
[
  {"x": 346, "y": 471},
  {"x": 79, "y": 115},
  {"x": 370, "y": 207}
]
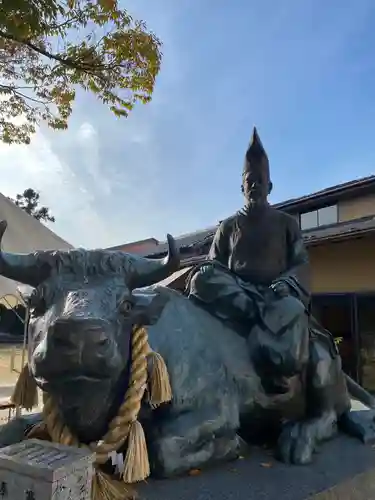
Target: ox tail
[{"x": 359, "y": 393}]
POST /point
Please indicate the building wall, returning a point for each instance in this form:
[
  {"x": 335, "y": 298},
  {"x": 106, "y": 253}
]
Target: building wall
[
  {"x": 347, "y": 266},
  {"x": 356, "y": 208},
  {"x": 138, "y": 247}
]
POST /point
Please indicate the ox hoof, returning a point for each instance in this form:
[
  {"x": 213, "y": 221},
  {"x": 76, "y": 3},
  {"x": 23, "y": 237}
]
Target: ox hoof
[
  {"x": 299, "y": 440},
  {"x": 295, "y": 445}
]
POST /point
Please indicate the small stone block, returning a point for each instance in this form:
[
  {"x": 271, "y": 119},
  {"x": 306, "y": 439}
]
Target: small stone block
[{"x": 40, "y": 470}]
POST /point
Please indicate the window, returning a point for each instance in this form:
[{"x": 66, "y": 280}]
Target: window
[
  {"x": 321, "y": 217},
  {"x": 327, "y": 215},
  {"x": 309, "y": 220}
]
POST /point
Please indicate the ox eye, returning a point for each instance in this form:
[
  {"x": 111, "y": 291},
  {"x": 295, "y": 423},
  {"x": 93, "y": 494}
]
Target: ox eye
[{"x": 125, "y": 307}]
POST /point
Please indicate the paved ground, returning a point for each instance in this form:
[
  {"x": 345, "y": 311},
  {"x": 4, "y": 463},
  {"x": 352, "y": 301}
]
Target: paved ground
[{"x": 260, "y": 477}]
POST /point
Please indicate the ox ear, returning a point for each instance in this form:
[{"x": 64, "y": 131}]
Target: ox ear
[
  {"x": 28, "y": 269},
  {"x": 150, "y": 271}
]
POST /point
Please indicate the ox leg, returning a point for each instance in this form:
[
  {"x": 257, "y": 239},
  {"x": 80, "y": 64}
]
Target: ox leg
[
  {"x": 194, "y": 440},
  {"x": 326, "y": 397}
]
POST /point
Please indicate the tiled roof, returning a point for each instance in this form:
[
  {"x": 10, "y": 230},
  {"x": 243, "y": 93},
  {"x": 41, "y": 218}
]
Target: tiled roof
[
  {"x": 198, "y": 237},
  {"x": 185, "y": 242},
  {"x": 203, "y": 237},
  {"x": 140, "y": 245},
  {"x": 347, "y": 229},
  {"x": 339, "y": 189},
  {"x": 197, "y": 253}
]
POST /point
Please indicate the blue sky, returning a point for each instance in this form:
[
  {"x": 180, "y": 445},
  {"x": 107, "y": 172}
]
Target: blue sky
[{"x": 302, "y": 71}]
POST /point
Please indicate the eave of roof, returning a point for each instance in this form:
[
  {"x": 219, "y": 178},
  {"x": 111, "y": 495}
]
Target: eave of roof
[
  {"x": 343, "y": 230},
  {"x": 328, "y": 195},
  {"x": 137, "y": 243}
]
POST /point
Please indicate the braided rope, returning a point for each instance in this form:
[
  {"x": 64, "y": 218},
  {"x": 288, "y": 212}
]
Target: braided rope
[{"x": 120, "y": 426}]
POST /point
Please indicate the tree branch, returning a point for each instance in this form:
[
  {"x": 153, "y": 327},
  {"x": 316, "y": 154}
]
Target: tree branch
[
  {"x": 16, "y": 92},
  {"x": 66, "y": 61}
]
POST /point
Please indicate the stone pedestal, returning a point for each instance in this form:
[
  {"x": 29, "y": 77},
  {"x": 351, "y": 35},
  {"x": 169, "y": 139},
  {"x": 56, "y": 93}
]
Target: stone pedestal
[
  {"x": 39, "y": 470},
  {"x": 344, "y": 470}
]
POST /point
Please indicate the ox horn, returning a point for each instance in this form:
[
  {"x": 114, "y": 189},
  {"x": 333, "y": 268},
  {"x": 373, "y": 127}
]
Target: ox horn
[
  {"x": 24, "y": 268},
  {"x": 150, "y": 271}
]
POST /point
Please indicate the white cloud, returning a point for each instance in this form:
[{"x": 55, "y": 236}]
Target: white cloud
[
  {"x": 86, "y": 132},
  {"x": 90, "y": 161},
  {"x": 38, "y": 167}
]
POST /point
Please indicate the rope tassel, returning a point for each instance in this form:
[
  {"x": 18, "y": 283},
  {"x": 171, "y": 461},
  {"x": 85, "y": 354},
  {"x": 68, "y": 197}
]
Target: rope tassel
[
  {"x": 25, "y": 393},
  {"x": 104, "y": 487},
  {"x": 159, "y": 385},
  {"x": 136, "y": 464}
]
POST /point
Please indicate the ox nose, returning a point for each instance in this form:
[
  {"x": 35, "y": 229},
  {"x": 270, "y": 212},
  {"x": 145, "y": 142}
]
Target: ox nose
[{"x": 70, "y": 336}]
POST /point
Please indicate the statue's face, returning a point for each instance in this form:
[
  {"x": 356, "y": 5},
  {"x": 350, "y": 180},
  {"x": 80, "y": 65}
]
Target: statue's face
[
  {"x": 256, "y": 185},
  {"x": 79, "y": 339}
]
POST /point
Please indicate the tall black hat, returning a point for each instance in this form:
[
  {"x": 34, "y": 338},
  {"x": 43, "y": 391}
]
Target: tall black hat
[{"x": 256, "y": 159}]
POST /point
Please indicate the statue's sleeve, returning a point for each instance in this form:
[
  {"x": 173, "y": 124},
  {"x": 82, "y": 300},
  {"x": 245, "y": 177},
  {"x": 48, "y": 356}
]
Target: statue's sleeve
[
  {"x": 219, "y": 250},
  {"x": 297, "y": 275}
]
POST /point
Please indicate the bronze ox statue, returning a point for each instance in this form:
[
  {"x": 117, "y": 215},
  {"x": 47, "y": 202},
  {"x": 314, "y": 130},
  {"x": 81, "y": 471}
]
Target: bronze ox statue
[{"x": 82, "y": 312}]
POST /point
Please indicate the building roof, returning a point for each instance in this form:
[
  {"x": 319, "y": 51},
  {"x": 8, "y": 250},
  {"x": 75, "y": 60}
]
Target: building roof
[
  {"x": 190, "y": 242},
  {"x": 336, "y": 232},
  {"x": 197, "y": 252},
  {"x": 342, "y": 230},
  {"x": 331, "y": 194},
  {"x": 142, "y": 245},
  {"x": 185, "y": 241}
]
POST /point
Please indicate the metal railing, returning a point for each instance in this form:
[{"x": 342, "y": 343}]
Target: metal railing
[{"x": 13, "y": 354}]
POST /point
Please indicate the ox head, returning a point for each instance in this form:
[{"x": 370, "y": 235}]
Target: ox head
[{"x": 82, "y": 312}]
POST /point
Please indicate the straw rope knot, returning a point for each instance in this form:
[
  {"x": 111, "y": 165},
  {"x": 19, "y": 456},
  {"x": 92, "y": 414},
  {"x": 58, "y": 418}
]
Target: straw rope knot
[{"x": 123, "y": 429}]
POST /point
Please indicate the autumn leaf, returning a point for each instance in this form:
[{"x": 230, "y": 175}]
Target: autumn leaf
[
  {"x": 50, "y": 49},
  {"x": 108, "y": 4},
  {"x": 194, "y": 472}
]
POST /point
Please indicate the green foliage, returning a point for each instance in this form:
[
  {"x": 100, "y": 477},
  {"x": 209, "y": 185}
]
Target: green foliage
[
  {"x": 29, "y": 201},
  {"x": 49, "y": 48}
]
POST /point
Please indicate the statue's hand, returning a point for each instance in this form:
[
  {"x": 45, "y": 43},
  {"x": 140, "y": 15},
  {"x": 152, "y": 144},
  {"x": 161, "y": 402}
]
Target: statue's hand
[{"x": 281, "y": 289}]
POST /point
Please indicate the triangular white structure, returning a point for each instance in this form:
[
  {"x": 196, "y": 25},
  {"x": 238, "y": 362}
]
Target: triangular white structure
[{"x": 24, "y": 234}]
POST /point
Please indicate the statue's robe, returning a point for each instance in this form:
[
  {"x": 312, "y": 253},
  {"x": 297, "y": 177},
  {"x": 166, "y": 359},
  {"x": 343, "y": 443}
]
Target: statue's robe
[
  {"x": 251, "y": 251},
  {"x": 259, "y": 248}
]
